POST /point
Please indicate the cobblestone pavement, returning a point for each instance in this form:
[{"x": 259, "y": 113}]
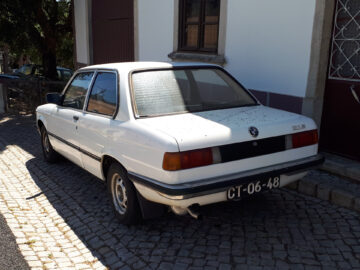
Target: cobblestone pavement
[{"x": 61, "y": 218}]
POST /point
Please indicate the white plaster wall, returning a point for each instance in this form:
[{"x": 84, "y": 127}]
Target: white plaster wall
[
  {"x": 268, "y": 44},
  {"x": 155, "y": 29},
  {"x": 81, "y": 30}
]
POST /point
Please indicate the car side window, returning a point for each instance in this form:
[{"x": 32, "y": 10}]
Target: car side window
[
  {"x": 25, "y": 69},
  {"x": 66, "y": 75},
  {"x": 102, "y": 98},
  {"x": 76, "y": 93}
]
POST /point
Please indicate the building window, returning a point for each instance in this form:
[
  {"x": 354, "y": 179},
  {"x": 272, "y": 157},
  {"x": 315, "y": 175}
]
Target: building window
[{"x": 199, "y": 25}]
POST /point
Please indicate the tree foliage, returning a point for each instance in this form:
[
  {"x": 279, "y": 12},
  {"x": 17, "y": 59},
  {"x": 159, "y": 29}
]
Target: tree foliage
[{"x": 40, "y": 28}]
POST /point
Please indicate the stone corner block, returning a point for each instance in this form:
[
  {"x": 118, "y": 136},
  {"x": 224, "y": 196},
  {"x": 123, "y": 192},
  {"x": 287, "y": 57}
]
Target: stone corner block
[
  {"x": 334, "y": 167},
  {"x": 293, "y": 185},
  {"x": 323, "y": 192},
  {"x": 342, "y": 198},
  {"x": 353, "y": 173},
  {"x": 307, "y": 186},
  {"x": 357, "y": 204}
]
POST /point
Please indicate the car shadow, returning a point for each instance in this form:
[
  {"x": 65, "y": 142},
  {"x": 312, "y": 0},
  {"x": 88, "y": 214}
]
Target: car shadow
[{"x": 81, "y": 200}]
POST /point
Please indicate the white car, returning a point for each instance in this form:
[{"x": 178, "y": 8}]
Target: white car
[{"x": 180, "y": 135}]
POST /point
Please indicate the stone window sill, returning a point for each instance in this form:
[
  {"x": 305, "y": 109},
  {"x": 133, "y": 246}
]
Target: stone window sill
[{"x": 199, "y": 57}]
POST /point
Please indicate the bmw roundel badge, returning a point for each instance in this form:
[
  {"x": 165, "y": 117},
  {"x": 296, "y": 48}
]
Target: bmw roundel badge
[{"x": 253, "y": 131}]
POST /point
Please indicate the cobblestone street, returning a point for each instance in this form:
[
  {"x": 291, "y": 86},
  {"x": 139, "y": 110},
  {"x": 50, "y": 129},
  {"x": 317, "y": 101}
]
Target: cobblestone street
[{"x": 61, "y": 218}]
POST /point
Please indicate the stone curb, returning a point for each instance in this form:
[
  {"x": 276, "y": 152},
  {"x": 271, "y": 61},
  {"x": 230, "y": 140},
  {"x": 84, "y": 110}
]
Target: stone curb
[
  {"x": 341, "y": 166},
  {"x": 334, "y": 195}
]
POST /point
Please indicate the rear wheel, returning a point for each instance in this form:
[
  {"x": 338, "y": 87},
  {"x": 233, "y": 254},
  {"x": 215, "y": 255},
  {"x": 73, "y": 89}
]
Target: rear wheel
[
  {"x": 123, "y": 195},
  {"x": 50, "y": 155}
]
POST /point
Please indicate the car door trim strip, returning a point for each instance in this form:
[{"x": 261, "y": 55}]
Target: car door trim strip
[{"x": 76, "y": 147}]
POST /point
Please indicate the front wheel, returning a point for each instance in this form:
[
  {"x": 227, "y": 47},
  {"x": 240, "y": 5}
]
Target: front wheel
[
  {"x": 123, "y": 195},
  {"x": 50, "y": 155}
]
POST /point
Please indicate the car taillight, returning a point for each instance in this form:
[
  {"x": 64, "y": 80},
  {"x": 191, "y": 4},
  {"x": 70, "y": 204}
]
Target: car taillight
[
  {"x": 191, "y": 159},
  {"x": 302, "y": 139}
]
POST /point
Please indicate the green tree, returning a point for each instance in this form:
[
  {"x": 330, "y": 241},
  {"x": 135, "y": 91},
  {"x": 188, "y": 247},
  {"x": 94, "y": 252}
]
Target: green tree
[{"x": 41, "y": 28}]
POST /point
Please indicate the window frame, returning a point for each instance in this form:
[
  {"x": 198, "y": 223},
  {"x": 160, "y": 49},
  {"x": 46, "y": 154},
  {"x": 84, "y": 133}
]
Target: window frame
[
  {"x": 69, "y": 84},
  {"x": 95, "y": 71},
  {"x": 201, "y": 34},
  {"x": 86, "y": 105}
]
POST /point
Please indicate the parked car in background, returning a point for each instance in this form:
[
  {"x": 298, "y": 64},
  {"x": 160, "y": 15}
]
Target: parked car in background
[
  {"x": 37, "y": 71},
  {"x": 25, "y": 80},
  {"x": 64, "y": 74},
  {"x": 32, "y": 71},
  {"x": 5, "y": 77},
  {"x": 180, "y": 135}
]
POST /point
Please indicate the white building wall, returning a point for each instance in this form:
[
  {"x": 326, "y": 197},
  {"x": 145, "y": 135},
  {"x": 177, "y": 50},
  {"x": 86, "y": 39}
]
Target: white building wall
[
  {"x": 155, "y": 29},
  {"x": 268, "y": 44},
  {"x": 82, "y": 31}
]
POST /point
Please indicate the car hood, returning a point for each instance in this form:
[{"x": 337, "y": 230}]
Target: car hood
[{"x": 221, "y": 127}]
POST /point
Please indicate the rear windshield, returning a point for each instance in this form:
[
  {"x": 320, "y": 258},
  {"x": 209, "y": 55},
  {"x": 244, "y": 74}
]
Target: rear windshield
[{"x": 162, "y": 92}]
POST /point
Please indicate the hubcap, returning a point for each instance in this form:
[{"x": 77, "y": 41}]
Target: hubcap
[
  {"x": 118, "y": 191},
  {"x": 46, "y": 143}
]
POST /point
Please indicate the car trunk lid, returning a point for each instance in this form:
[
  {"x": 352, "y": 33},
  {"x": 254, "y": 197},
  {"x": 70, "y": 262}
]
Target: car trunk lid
[{"x": 229, "y": 127}]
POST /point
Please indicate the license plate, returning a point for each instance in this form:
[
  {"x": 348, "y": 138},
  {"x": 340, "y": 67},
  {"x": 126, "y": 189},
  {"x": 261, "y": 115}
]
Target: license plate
[{"x": 253, "y": 187}]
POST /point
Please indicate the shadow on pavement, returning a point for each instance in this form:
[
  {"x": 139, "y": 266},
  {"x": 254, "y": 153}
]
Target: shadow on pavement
[
  {"x": 19, "y": 130},
  {"x": 10, "y": 256},
  {"x": 227, "y": 230}
]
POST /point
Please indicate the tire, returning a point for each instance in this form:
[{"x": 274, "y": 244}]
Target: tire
[
  {"x": 123, "y": 195},
  {"x": 50, "y": 155}
]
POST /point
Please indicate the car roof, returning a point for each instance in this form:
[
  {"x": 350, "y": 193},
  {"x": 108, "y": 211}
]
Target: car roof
[
  {"x": 131, "y": 66},
  {"x": 62, "y": 68}
]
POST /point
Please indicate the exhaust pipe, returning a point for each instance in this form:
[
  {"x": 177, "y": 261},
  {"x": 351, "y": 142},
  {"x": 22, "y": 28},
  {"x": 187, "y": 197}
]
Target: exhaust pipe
[
  {"x": 193, "y": 211},
  {"x": 178, "y": 210}
]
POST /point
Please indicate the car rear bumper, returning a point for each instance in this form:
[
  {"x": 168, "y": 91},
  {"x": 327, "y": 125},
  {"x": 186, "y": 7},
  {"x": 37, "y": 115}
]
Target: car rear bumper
[{"x": 289, "y": 172}]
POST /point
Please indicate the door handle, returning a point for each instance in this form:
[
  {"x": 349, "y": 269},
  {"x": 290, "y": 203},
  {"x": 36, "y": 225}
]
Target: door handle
[
  {"x": 76, "y": 117},
  {"x": 352, "y": 88}
]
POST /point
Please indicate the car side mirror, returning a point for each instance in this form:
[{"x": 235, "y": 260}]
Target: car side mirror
[{"x": 55, "y": 98}]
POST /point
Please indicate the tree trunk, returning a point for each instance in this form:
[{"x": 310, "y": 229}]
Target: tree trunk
[
  {"x": 6, "y": 59},
  {"x": 49, "y": 64}
]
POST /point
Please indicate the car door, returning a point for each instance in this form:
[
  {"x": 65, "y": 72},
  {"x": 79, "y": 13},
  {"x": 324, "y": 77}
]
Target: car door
[
  {"x": 97, "y": 125},
  {"x": 63, "y": 128}
]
